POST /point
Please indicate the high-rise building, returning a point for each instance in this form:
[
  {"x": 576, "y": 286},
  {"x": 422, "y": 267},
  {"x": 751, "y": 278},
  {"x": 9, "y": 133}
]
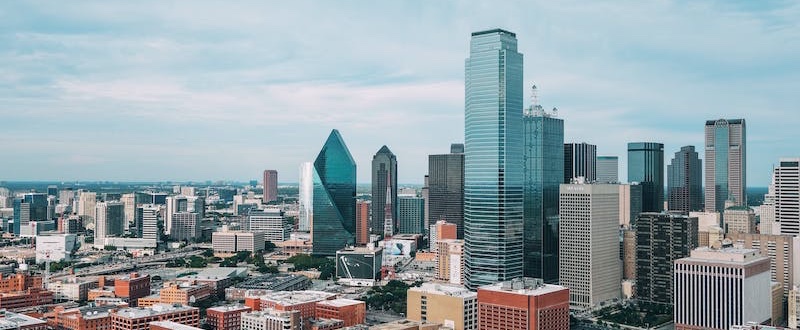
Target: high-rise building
[
  {"x": 661, "y": 238},
  {"x": 766, "y": 212},
  {"x": 129, "y": 202},
  {"x": 29, "y": 207},
  {"x": 580, "y": 161},
  {"x": 739, "y": 219},
  {"x": 446, "y": 188},
  {"x": 87, "y": 202},
  {"x": 306, "y": 197},
  {"x": 271, "y": 222},
  {"x": 781, "y": 251},
  {"x": 589, "y": 262},
  {"x": 450, "y": 305},
  {"x": 646, "y": 166},
  {"x": 543, "y": 166},
  {"x": 185, "y": 226},
  {"x": 441, "y": 230},
  {"x": 786, "y": 178},
  {"x": 523, "y": 304},
  {"x": 109, "y": 220},
  {"x": 450, "y": 260},
  {"x": 726, "y": 163},
  {"x": 630, "y": 204},
  {"x": 607, "y": 169},
  {"x": 411, "y": 215},
  {"x": 175, "y": 204},
  {"x": 733, "y": 283},
  {"x": 684, "y": 181},
  {"x": 270, "y": 182},
  {"x": 236, "y": 241},
  {"x": 493, "y": 176},
  {"x": 334, "y": 196},
  {"x": 149, "y": 222},
  {"x": 384, "y": 175},
  {"x": 362, "y": 222}
]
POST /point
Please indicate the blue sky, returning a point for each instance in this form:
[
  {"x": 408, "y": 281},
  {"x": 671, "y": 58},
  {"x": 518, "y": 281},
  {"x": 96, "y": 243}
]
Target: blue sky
[{"x": 200, "y": 90}]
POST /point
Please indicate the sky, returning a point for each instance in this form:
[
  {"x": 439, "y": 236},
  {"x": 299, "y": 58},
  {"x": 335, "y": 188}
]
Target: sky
[{"x": 218, "y": 90}]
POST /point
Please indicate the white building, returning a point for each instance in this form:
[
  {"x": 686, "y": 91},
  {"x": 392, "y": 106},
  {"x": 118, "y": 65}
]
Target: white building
[
  {"x": 87, "y": 201},
  {"x": 175, "y": 204},
  {"x": 271, "y": 319},
  {"x": 589, "y": 264},
  {"x": 185, "y": 226},
  {"x": 235, "y": 241},
  {"x": 787, "y": 195},
  {"x": 149, "y": 222},
  {"x": 55, "y": 247},
  {"x": 306, "y": 199},
  {"x": 766, "y": 213},
  {"x": 272, "y": 223},
  {"x": 109, "y": 220},
  {"x": 732, "y": 282}
]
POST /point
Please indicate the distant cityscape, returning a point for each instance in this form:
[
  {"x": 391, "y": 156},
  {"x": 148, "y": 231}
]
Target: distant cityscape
[{"x": 516, "y": 227}]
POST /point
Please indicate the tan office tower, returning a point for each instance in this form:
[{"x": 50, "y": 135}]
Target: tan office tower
[
  {"x": 705, "y": 222},
  {"x": 629, "y": 254},
  {"x": 780, "y": 249},
  {"x": 589, "y": 264},
  {"x": 450, "y": 305},
  {"x": 725, "y": 163},
  {"x": 450, "y": 260},
  {"x": 766, "y": 213},
  {"x": 86, "y": 205},
  {"x": 740, "y": 219},
  {"x": 732, "y": 282}
]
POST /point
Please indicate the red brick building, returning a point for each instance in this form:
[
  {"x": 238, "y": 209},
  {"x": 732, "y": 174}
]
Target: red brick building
[
  {"x": 352, "y": 312},
  {"x": 94, "y": 318},
  {"x": 303, "y": 301},
  {"x": 362, "y": 222},
  {"x": 225, "y": 317},
  {"x": 169, "y": 325},
  {"x": 132, "y": 287},
  {"x": 19, "y": 282},
  {"x": 140, "y": 318},
  {"x": 524, "y": 303},
  {"x": 24, "y": 299}
]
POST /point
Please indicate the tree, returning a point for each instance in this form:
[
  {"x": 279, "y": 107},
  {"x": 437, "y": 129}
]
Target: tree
[
  {"x": 110, "y": 248},
  {"x": 208, "y": 253},
  {"x": 269, "y": 246}
]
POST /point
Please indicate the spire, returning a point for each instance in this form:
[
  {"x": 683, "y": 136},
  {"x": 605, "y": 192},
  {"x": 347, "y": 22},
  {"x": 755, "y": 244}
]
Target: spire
[{"x": 388, "y": 225}]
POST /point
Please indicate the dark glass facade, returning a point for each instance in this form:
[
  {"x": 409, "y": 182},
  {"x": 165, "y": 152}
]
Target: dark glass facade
[
  {"x": 334, "y": 197},
  {"x": 544, "y": 165},
  {"x": 661, "y": 238},
  {"x": 684, "y": 177},
  {"x": 446, "y": 188},
  {"x": 384, "y": 168},
  {"x": 30, "y": 207},
  {"x": 580, "y": 160},
  {"x": 646, "y": 166},
  {"x": 493, "y": 176},
  {"x": 411, "y": 215}
]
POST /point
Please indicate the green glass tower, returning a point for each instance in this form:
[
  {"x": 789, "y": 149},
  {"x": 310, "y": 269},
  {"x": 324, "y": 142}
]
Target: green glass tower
[
  {"x": 334, "y": 198},
  {"x": 493, "y": 177},
  {"x": 646, "y": 166}
]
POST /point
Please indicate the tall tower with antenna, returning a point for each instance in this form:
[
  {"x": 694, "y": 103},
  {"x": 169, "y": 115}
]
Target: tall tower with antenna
[{"x": 388, "y": 222}]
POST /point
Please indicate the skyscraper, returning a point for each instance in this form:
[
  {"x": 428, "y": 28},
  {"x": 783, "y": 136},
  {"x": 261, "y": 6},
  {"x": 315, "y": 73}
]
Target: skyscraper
[
  {"x": 493, "y": 177},
  {"x": 661, "y": 238},
  {"x": 589, "y": 261},
  {"x": 306, "y": 198},
  {"x": 726, "y": 161},
  {"x": 646, "y": 166},
  {"x": 684, "y": 183},
  {"x": 384, "y": 172},
  {"x": 411, "y": 215},
  {"x": 87, "y": 203},
  {"x": 786, "y": 178},
  {"x": 607, "y": 169},
  {"x": 30, "y": 207},
  {"x": 446, "y": 187},
  {"x": 334, "y": 223},
  {"x": 270, "y": 183},
  {"x": 109, "y": 220},
  {"x": 362, "y": 222},
  {"x": 580, "y": 161},
  {"x": 543, "y": 159}
]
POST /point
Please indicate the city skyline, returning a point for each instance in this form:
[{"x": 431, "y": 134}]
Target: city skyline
[{"x": 95, "y": 94}]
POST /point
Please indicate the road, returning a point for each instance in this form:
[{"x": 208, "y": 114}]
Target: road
[{"x": 117, "y": 267}]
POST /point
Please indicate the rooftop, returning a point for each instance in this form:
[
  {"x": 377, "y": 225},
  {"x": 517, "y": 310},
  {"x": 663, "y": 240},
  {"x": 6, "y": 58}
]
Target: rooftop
[
  {"x": 297, "y": 297},
  {"x": 524, "y": 286},
  {"x": 174, "y": 325},
  {"x": 230, "y": 308},
  {"x": 19, "y": 320},
  {"x": 341, "y": 302},
  {"x": 156, "y": 309},
  {"x": 445, "y": 289},
  {"x": 732, "y": 255},
  {"x": 492, "y": 31}
]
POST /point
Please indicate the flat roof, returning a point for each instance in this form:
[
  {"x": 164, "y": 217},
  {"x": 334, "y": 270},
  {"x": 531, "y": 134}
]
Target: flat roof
[
  {"x": 174, "y": 325},
  {"x": 156, "y": 309},
  {"x": 21, "y": 319},
  {"x": 230, "y": 308},
  {"x": 341, "y": 302},
  {"x": 452, "y": 290},
  {"x": 297, "y": 297},
  {"x": 528, "y": 288},
  {"x": 492, "y": 31}
]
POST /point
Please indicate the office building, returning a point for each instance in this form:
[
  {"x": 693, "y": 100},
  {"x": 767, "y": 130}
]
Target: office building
[
  {"x": 733, "y": 283},
  {"x": 169, "y": 325},
  {"x": 87, "y": 203},
  {"x": 185, "y": 226},
  {"x": 132, "y": 287},
  {"x": 439, "y": 231},
  {"x": 271, "y": 319},
  {"x": 384, "y": 177},
  {"x": 628, "y": 254},
  {"x": 270, "y": 182},
  {"x": 786, "y": 178},
  {"x": 225, "y": 317},
  {"x": 174, "y": 204},
  {"x": 446, "y": 188},
  {"x": 109, "y": 220},
  {"x": 334, "y": 196},
  {"x": 359, "y": 266},
  {"x": 707, "y": 222},
  {"x": 129, "y": 202},
  {"x": 450, "y": 305},
  {"x": 543, "y": 167},
  {"x": 646, "y": 166},
  {"x": 362, "y": 221},
  {"x": 793, "y": 316},
  {"x": 580, "y": 162},
  {"x": 783, "y": 251},
  {"x": 306, "y": 197},
  {"x": 236, "y": 241},
  {"x": 684, "y": 181},
  {"x": 351, "y": 312},
  {"x": 589, "y": 263},
  {"x": 523, "y": 304},
  {"x": 411, "y": 215},
  {"x": 607, "y": 169},
  {"x": 767, "y": 223},
  {"x": 55, "y": 247},
  {"x": 493, "y": 176},
  {"x": 726, "y": 163},
  {"x": 31, "y": 207},
  {"x": 739, "y": 219},
  {"x": 149, "y": 222},
  {"x": 630, "y": 204},
  {"x": 661, "y": 238},
  {"x": 303, "y": 301},
  {"x": 271, "y": 222},
  {"x": 450, "y": 260},
  {"x": 135, "y": 318}
]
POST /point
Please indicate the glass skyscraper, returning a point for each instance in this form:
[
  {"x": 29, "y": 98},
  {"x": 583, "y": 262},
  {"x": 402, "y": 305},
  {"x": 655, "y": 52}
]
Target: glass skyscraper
[
  {"x": 334, "y": 224},
  {"x": 580, "y": 160},
  {"x": 726, "y": 165},
  {"x": 544, "y": 167},
  {"x": 493, "y": 226},
  {"x": 384, "y": 172},
  {"x": 30, "y": 207},
  {"x": 646, "y": 166},
  {"x": 446, "y": 188},
  {"x": 684, "y": 181}
]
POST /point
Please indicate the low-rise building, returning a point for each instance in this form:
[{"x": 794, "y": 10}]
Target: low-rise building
[
  {"x": 451, "y": 305},
  {"x": 84, "y": 318},
  {"x": 132, "y": 287},
  {"x": 229, "y": 242},
  {"x": 303, "y": 301},
  {"x": 11, "y": 320},
  {"x": 169, "y": 325},
  {"x": 73, "y": 288},
  {"x": 136, "y": 318},
  {"x": 31, "y": 297},
  {"x": 271, "y": 319},
  {"x": 55, "y": 247},
  {"x": 359, "y": 266},
  {"x": 351, "y": 312},
  {"x": 523, "y": 303},
  {"x": 225, "y": 317}
]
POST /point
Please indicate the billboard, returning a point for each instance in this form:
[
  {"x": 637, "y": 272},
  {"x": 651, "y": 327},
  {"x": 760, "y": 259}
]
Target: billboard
[{"x": 358, "y": 265}]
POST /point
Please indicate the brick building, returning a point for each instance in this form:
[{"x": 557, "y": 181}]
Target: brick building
[
  {"x": 351, "y": 312},
  {"x": 24, "y": 299},
  {"x": 135, "y": 318},
  {"x": 132, "y": 287},
  {"x": 225, "y": 317},
  {"x": 524, "y": 303}
]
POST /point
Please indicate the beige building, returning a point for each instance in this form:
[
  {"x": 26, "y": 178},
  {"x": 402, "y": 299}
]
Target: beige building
[
  {"x": 740, "y": 219},
  {"x": 705, "y": 222},
  {"x": 235, "y": 241},
  {"x": 450, "y": 260},
  {"x": 629, "y": 208},
  {"x": 450, "y": 305},
  {"x": 629, "y": 254},
  {"x": 270, "y": 319},
  {"x": 783, "y": 251}
]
